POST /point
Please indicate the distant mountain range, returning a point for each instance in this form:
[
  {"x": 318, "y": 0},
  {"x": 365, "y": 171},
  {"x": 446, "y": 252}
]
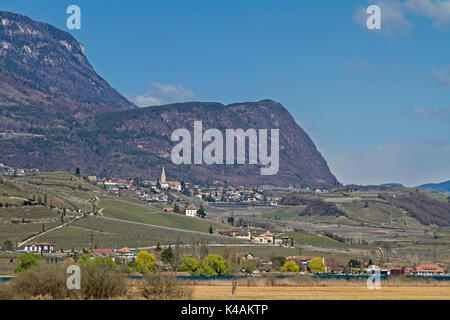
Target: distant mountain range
[
  {"x": 73, "y": 118},
  {"x": 443, "y": 187},
  {"x": 389, "y": 185}
]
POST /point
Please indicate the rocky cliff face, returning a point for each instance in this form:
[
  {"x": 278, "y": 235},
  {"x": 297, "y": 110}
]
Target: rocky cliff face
[
  {"x": 48, "y": 89},
  {"x": 43, "y": 66}
]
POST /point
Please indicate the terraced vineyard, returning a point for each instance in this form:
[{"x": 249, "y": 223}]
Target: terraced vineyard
[
  {"x": 107, "y": 233},
  {"x": 22, "y": 231},
  {"x": 145, "y": 214}
]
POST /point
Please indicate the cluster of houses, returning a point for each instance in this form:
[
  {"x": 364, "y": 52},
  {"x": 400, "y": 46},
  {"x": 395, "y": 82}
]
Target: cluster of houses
[
  {"x": 303, "y": 262},
  {"x": 235, "y": 194},
  {"x": 154, "y": 187},
  {"x": 154, "y": 190},
  {"x": 17, "y": 172},
  {"x": 266, "y": 238},
  {"x": 47, "y": 248},
  {"x": 420, "y": 270},
  {"x": 124, "y": 253}
]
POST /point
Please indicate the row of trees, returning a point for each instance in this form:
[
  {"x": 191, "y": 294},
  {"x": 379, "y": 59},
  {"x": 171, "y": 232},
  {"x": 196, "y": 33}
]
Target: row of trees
[
  {"x": 211, "y": 265},
  {"x": 146, "y": 263},
  {"x": 316, "y": 265}
]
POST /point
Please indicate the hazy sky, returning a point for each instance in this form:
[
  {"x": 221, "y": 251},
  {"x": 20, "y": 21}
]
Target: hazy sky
[{"x": 376, "y": 103}]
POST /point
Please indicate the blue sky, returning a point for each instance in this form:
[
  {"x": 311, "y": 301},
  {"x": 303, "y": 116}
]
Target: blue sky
[{"x": 376, "y": 103}]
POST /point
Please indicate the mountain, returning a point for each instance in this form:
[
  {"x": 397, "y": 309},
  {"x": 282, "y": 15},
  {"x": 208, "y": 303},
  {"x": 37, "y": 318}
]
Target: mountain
[
  {"x": 443, "y": 187},
  {"x": 390, "y": 185},
  {"x": 44, "y": 67},
  {"x": 56, "y": 113},
  {"x": 136, "y": 143}
]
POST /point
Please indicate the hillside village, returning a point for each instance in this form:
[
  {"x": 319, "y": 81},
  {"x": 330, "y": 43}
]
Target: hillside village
[
  {"x": 155, "y": 190},
  {"x": 183, "y": 198},
  {"x": 250, "y": 263}
]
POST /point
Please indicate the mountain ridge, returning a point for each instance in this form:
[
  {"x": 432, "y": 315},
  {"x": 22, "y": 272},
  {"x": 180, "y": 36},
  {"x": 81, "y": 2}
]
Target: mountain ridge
[
  {"x": 55, "y": 63},
  {"x": 48, "y": 89},
  {"x": 443, "y": 187}
]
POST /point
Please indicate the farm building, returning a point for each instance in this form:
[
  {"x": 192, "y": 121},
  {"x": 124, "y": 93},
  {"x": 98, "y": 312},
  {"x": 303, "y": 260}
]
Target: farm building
[{"x": 38, "y": 248}]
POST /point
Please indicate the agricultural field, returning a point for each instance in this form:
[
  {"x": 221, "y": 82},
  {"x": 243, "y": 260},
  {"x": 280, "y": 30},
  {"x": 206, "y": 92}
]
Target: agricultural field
[
  {"x": 19, "y": 232},
  {"x": 322, "y": 293},
  {"x": 114, "y": 208},
  {"x": 367, "y": 221},
  {"x": 64, "y": 191},
  {"x": 31, "y": 213},
  {"x": 101, "y": 232},
  {"x": 284, "y": 212}
]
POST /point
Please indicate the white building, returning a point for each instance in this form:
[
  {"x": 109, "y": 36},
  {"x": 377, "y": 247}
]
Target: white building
[
  {"x": 126, "y": 254},
  {"x": 265, "y": 238},
  {"x": 33, "y": 247},
  {"x": 191, "y": 211}
]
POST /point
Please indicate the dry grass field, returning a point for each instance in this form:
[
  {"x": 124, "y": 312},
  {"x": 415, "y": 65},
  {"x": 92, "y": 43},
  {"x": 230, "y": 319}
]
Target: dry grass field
[{"x": 322, "y": 293}]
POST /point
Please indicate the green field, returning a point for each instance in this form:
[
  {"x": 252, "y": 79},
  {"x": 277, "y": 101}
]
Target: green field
[
  {"x": 28, "y": 213},
  {"x": 364, "y": 227},
  {"x": 114, "y": 234},
  {"x": 19, "y": 232},
  {"x": 284, "y": 212},
  {"x": 127, "y": 211}
]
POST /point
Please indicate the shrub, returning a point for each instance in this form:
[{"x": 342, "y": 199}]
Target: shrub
[
  {"x": 100, "y": 282},
  {"x": 7, "y": 292},
  {"x": 27, "y": 260},
  {"x": 145, "y": 262},
  {"x": 278, "y": 261},
  {"x": 212, "y": 265},
  {"x": 44, "y": 280},
  {"x": 316, "y": 265},
  {"x": 8, "y": 245},
  {"x": 87, "y": 260},
  {"x": 290, "y": 266},
  {"x": 160, "y": 288},
  {"x": 220, "y": 266},
  {"x": 249, "y": 267}
]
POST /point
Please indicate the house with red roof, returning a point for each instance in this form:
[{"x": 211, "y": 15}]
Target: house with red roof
[
  {"x": 126, "y": 254},
  {"x": 34, "y": 247},
  {"x": 428, "y": 270}
]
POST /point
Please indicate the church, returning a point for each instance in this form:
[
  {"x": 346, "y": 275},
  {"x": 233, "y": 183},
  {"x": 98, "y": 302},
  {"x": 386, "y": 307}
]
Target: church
[{"x": 174, "y": 185}]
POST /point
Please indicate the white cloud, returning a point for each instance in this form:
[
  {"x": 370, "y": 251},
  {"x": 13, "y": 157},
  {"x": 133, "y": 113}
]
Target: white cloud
[
  {"x": 438, "y": 113},
  {"x": 436, "y": 10},
  {"x": 394, "y": 14},
  {"x": 160, "y": 94},
  {"x": 443, "y": 77}
]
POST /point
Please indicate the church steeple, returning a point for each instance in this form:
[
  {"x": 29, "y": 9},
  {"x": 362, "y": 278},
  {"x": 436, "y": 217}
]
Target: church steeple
[{"x": 163, "y": 176}]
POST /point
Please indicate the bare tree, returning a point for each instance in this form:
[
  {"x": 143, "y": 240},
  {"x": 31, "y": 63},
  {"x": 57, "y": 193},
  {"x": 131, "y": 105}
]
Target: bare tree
[{"x": 235, "y": 266}]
